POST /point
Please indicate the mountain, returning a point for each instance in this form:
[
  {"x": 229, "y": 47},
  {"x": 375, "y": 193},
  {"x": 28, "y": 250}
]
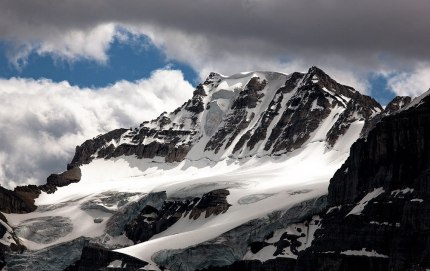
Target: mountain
[
  {"x": 240, "y": 173},
  {"x": 244, "y": 115}
]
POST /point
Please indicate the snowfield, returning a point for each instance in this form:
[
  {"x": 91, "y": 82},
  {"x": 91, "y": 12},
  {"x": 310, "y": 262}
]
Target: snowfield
[{"x": 265, "y": 184}]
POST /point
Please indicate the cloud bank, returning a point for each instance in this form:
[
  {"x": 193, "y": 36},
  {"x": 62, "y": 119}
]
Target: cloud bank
[
  {"x": 41, "y": 122},
  {"x": 350, "y": 39}
]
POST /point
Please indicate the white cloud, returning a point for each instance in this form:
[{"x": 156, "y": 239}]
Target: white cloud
[
  {"x": 41, "y": 121},
  {"x": 90, "y": 43},
  {"x": 412, "y": 83}
]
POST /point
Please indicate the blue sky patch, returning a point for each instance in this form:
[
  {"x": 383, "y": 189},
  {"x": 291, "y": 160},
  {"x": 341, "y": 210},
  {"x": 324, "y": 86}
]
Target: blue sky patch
[
  {"x": 127, "y": 61},
  {"x": 379, "y": 89}
]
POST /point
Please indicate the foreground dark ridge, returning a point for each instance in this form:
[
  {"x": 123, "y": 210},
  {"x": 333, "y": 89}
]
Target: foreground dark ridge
[{"x": 379, "y": 200}]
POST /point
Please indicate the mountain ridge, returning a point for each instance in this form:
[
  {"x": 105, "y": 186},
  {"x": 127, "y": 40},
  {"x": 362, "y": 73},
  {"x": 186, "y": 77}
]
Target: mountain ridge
[
  {"x": 239, "y": 152},
  {"x": 241, "y": 105}
]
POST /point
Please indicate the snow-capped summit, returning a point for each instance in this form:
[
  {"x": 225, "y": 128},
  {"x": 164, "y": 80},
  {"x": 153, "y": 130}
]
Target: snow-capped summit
[{"x": 248, "y": 114}]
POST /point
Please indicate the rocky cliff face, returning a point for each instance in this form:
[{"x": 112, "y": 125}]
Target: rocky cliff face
[
  {"x": 13, "y": 202},
  {"x": 384, "y": 158},
  {"x": 72, "y": 175},
  {"x": 378, "y": 216}
]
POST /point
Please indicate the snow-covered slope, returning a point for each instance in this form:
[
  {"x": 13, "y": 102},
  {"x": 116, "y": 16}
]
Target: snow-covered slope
[{"x": 242, "y": 148}]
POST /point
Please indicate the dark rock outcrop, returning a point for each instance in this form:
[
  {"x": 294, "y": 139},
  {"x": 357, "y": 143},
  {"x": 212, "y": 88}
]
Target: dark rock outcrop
[
  {"x": 397, "y": 103},
  {"x": 212, "y": 203},
  {"x": 2, "y": 259},
  {"x": 277, "y": 264},
  {"x": 22, "y": 198},
  {"x": 18, "y": 201},
  {"x": 72, "y": 175},
  {"x": 118, "y": 222},
  {"x": 97, "y": 258},
  {"x": 3, "y": 248},
  {"x": 83, "y": 153},
  {"x": 342, "y": 262},
  {"x": 153, "y": 220},
  {"x": 393, "y": 107}
]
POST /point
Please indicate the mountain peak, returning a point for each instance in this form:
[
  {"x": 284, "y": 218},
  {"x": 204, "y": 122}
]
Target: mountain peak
[
  {"x": 397, "y": 103},
  {"x": 244, "y": 115},
  {"x": 316, "y": 76},
  {"x": 212, "y": 77},
  {"x": 316, "y": 70}
]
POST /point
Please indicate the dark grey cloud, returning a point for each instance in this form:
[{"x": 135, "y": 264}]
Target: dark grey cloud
[{"x": 300, "y": 28}]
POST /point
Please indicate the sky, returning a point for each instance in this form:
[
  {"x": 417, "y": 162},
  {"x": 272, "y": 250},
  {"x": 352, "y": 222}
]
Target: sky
[{"x": 73, "y": 69}]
